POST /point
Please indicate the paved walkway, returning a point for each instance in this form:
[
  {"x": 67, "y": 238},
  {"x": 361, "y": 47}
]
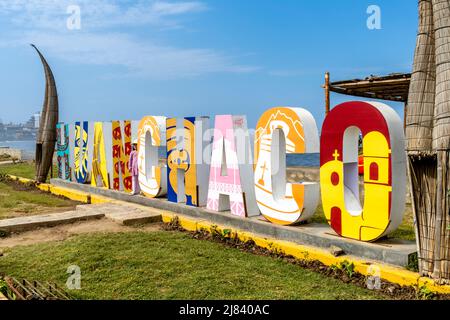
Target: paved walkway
[{"x": 122, "y": 213}]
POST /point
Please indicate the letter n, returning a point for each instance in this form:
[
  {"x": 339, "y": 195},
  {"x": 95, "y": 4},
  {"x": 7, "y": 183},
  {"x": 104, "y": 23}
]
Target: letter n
[{"x": 100, "y": 175}]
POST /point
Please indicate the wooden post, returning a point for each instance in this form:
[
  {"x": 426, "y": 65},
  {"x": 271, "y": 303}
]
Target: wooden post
[
  {"x": 51, "y": 167},
  {"x": 245, "y": 204},
  {"x": 197, "y": 190},
  {"x": 327, "y": 93},
  {"x": 405, "y": 110}
]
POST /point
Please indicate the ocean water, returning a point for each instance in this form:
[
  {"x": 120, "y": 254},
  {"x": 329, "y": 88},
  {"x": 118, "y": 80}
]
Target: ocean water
[
  {"x": 292, "y": 160},
  {"x": 303, "y": 160}
]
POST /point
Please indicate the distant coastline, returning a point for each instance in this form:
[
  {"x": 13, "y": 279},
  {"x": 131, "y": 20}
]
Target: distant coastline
[{"x": 28, "y": 147}]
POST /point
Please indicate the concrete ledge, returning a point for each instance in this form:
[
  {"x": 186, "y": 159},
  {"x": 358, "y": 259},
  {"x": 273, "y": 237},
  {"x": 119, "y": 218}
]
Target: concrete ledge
[
  {"x": 133, "y": 219},
  {"x": 127, "y": 215},
  {"x": 394, "y": 251},
  {"x": 49, "y": 220}
]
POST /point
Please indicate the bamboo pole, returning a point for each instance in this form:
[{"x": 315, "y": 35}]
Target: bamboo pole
[
  {"x": 441, "y": 133},
  {"x": 327, "y": 93},
  {"x": 405, "y": 111},
  {"x": 415, "y": 218},
  {"x": 437, "y": 230}
]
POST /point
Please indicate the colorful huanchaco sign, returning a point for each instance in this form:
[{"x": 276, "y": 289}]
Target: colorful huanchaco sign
[{"x": 215, "y": 167}]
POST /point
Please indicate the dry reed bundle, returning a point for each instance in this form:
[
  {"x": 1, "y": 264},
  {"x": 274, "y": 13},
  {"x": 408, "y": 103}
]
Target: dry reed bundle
[
  {"x": 419, "y": 121},
  {"x": 46, "y": 136},
  {"x": 441, "y": 126},
  {"x": 428, "y": 134}
]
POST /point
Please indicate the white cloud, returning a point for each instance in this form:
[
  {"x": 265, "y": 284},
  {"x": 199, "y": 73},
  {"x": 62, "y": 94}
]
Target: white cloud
[
  {"x": 52, "y": 14},
  {"x": 139, "y": 58},
  {"x": 99, "y": 43}
]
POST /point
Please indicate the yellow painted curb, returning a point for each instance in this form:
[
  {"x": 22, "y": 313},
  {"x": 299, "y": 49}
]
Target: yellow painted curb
[
  {"x": 95, "y": 199},
  {"x": 71, "y": 194},
  {"x": 433, "y": 286},
  {"x": 389, "y": 273},
  {"x": 20, "y": 179},
  {"x": 65, "y": 192},
  {"x": 44, "y": 187}
]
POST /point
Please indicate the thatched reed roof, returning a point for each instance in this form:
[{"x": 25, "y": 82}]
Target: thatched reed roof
[
  {"x": 393, "y": 87},
  {"x": 428, "y": 138}
]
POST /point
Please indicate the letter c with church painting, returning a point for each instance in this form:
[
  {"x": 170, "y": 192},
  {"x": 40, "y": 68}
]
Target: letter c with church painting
[{"x": 280, "y": 131}]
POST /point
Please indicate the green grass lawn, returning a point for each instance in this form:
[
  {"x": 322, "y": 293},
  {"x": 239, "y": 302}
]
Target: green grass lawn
[
  {"x": 24, "y": 170},
  {"x": 170, "y": 265},
  {"x": 14, "y": 203}
]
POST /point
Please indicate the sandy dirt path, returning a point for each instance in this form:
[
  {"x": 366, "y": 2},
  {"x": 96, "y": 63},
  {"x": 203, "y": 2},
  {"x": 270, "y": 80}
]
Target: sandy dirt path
[{"x": 63, "y": 232}]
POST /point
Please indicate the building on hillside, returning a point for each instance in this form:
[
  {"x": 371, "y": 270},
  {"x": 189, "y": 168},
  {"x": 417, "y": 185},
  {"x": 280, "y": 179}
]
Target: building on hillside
[{"x": 33, "y": 122}]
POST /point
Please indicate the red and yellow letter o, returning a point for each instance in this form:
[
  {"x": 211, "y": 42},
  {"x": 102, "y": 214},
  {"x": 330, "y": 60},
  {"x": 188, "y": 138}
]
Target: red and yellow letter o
[{"x": 384, "y": 170}]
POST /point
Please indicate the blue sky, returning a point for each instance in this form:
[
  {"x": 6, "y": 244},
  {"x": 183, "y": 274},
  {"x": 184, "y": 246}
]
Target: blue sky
[{"x": 186, "y": 58}]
